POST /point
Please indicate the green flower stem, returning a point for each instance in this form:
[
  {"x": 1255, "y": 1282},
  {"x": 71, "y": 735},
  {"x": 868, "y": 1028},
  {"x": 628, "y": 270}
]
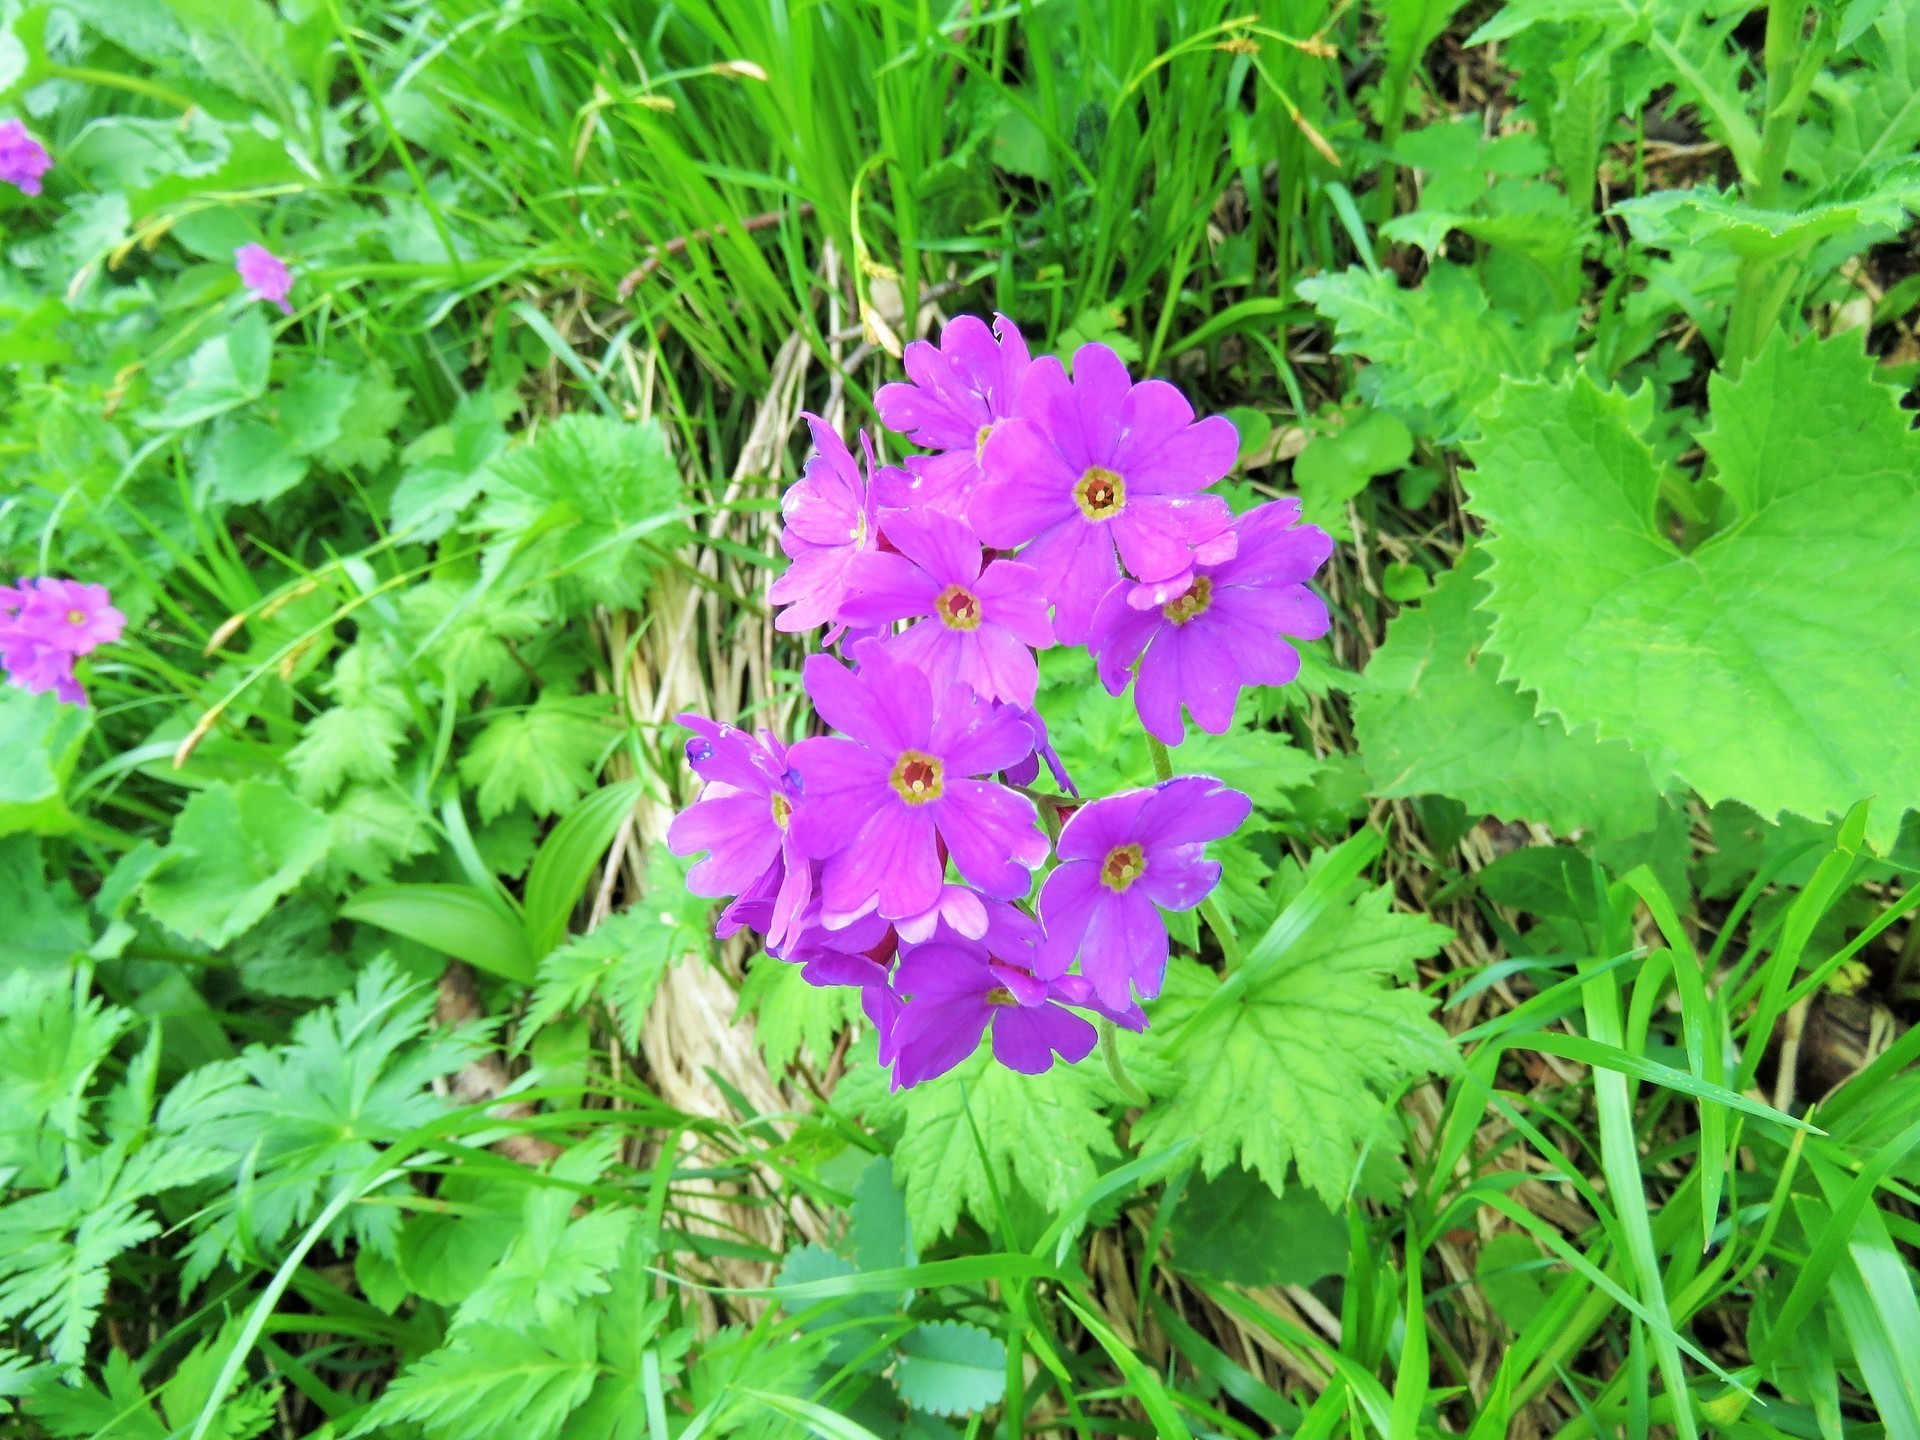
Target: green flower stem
[
  {"x": 1130, "y": 1090},
  {"x": 1763, "y": 286},
  {"x": 113, "y": 79},
  {"x": 1210, "y": 912}
]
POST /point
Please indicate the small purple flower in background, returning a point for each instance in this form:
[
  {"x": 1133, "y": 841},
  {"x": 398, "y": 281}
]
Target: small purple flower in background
[
  {"x": 975, "y": 622},
  {"x": 23, "y": 159},
  {"x": 1123, "y": 859},
  {"x": 956, "y": 394},
  {"x": 264, "y": 274},
  {"x": 45, "y": 623},
  {"x": 743, "y": 820},
  {"x": 1098, "y": 462},
  {"x": 829, "y": 519},
  {"x": 1222, "y": 630},
  {"x": 70, "y": 615},
  {"x": 900, "y": 783}
]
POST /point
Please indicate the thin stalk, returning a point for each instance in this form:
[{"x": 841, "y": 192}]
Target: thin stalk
[
  {"x": 1762, "y": 286},
  {"x": 113, "y": 79},
  {"x": 1129, "y": 1088}
]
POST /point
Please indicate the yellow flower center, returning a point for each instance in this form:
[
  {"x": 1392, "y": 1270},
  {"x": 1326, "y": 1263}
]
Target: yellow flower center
[
  {"x": 1000, "y": 995},
  {"x": 980, "y": 441},
  {"x": 858, "y": 535},
  {"x": 1124, "y": 865},
  {"x": 957, "y": 609},
  {"x": 1195, "y": 601},
  {"x": 1100, "y": 493},
  {"x": 782, "y": 811},
  {"x": 916, "y": 777},
  {"x": 76, "y": 617}
]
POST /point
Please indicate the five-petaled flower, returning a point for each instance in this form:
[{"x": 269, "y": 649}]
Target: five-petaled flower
[
  {"x": 1096, "y": 464},
  {"x": 956, "y": 394},
  {"x": 974, "y": 622},
  {"x": 903, "y": 782},
  {"x": 744, "y": 821},
  {"x": 1223, "y": 629},
  {"x": 829, "y": 521},
  {"x": 1123, "y": 860}
]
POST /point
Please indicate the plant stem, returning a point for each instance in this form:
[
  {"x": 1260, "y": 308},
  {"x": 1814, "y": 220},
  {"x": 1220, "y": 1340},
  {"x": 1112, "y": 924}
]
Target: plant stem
[
  {"x": 1209, "y": 911},
  {"x": 115, "y": 80},
  {"x": 1762, "y": 285},
  {"x": 1129, "y": 1088}
]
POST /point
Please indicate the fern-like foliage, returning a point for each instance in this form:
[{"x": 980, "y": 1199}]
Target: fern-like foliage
[{"x": 298, "y": 1123}]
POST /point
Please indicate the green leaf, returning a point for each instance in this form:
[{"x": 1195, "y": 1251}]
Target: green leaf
[
  {"x": 235, "y": 849},
  {"x": 1768, "y": 665},
  {"x": 360, "y": 436},
  {"x": 347, "y": 742},
  {"x": 456, "y": 920},
  {"x": 250, "y": 462},
  {"x": 1335, "y": 468},
  {"x": 545, "y": 754},
  {"x": 1879, "y": 204},
  {"x": 573, "y": 502},
  {"x": 1433, "y": 718},
  {"x": 45, "y": 921},
  {"x": 1044, "y": 1131},
  {"x": 372, "y": 828},
  {"x": 494, "y": 1380},
  {"x": 1435, "y": 353},
  {"x": 41, "y": 739},
  {"x": 790, "y": 1014},
  {"x": 300, "y": 1125},
  {"x": 621, "y": 961},
  {"x": 568, "y": 857},
  {"x": 1232, "y": 1227},
  {"x": 1292, "y": 1059},
  {"x": 950, "y": 1368},
  {"x": 225, "y": 372}
]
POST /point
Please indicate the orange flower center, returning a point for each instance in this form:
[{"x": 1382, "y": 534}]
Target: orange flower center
[
  {"x": 1100, "y": 493},
  {"x": 1124, "y": 865},
  {"x": 916, "y": 777},
  {"x": 957, "y": 609},
  {"x": 1195, "y": 601}
]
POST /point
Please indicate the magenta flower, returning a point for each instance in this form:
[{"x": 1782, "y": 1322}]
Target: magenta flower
[
  {"x": 955, "y": 395},
  {"x": 957, "y": 989},
  {"x": 23, "y": 159},
  {"x": 901, "y": 782},
  {"x": 36, "y": 667},
  {"x": 46, "y": 622},
  {"x": 1123, "y": 860},
  {"x": 1028, "y": 770},
  {"x": 743, "y": 820},
  {"x": 1219, "y": 631},
  {"x": 1088, "y": 465},
  {"x": 975, "y": 621},
  {"x": 265, "y": 274},
  {"x": 69, "y": 615},
  {"x": 829, "y": 520}
]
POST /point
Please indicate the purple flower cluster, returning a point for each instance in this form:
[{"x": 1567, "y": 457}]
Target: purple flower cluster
[
  {"x": 898, "y": 854},
  {"x": 46, "y": 624},
  {"x": 23, "y": 159}
]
